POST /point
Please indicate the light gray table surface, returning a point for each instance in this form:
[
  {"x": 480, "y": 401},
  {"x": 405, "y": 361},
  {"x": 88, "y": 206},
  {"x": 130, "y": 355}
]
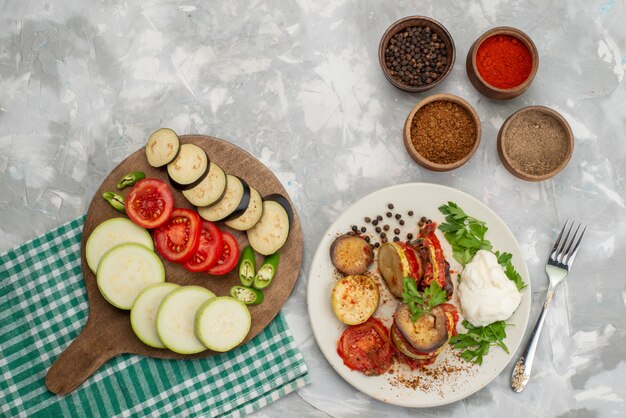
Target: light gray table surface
[{"x": 298, "y": 84}]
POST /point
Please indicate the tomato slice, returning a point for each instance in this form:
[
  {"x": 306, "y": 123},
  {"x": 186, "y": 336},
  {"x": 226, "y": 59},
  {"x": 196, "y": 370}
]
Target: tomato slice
[
  {"x": 366, "y": 347},
  {"x": 229, "y": 257},
  {"x": 209, "y": 251},
  {"x": 150, "y": 203},
  {"x": 179, "y": 238}
]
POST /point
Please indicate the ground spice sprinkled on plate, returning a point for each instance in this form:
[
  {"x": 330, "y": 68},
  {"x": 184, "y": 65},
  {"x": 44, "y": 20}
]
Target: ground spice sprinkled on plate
[
  {"x": 536, "y": 143},
  {"x": 443, "y": 132}
]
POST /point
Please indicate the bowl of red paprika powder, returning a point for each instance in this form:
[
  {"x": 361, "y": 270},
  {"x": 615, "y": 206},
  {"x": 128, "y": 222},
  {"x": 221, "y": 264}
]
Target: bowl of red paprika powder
[{"x": 502, "y": 63}]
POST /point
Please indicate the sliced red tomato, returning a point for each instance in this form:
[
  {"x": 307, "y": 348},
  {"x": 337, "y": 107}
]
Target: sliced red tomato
[
  {"x": 209, "y": 251},
  {"x": 229, "y": 257},
  {"x": 179, "y": 238},
  {"x": 149, "y": 203},
  {"x": 366, "y": 347}
]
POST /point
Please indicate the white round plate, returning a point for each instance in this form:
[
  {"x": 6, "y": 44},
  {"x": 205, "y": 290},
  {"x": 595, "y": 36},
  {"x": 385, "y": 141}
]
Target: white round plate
[{"x": 454, "y": 379}]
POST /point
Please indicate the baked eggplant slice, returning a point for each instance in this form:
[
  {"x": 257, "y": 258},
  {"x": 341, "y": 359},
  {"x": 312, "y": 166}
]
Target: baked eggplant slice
[
  {"x": 232, "y": 205},
  {"x": 428, "y": 333},
  {"x": 210, "y": 190},
  {"x": 252, "y": 214},
  {"x": 189, "y": 168},
  {"x": 271, "y": 231},
  {"x": 351, "y": 254},
  {"x": 162, "y": 147}
]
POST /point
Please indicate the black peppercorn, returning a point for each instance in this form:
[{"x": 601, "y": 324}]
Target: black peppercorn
[
  {"x": 396, "y": 231},
  {"x": 368, "y": 219},
  {"x": 355, "y": 228},
  {"x": 401, "y": 221},
  {"x": 386, "y": 227},
  {"x": 363, "y": 229},
  {"x": 388, "y": 214}
]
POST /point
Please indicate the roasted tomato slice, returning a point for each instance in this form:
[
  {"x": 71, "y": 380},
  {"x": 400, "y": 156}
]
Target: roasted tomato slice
[
  {"x": 178, "y": 239},
  {"x": 150, "y": 203},
  {"x": 229, "y": 257},
  {"x": 209, "y": 251},
  {"x": 366, "y": 347}
]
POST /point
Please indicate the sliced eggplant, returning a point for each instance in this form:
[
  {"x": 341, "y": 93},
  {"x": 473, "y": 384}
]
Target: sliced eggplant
[
  {"x": 428, "y": 333},
  {"x": 162, "y": 147},
  {"x": 351, "y": 254},
  {"x": 397, "y": 260},
  {"x": 189, "y": 168},
  {"x": 252, "y": 214},
  {"x": 232, "y": 205},
  {"x": 271, "y": 231},
  {"x": 210, "y": 190}
]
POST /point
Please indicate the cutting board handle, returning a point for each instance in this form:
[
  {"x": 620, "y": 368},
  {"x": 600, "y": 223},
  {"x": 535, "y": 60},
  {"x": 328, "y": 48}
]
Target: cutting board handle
[{"x": 90, "y": 350}]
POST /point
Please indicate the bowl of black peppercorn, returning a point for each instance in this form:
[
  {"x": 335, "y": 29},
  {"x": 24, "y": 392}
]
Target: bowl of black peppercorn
[{"x": 416, "y": 53}]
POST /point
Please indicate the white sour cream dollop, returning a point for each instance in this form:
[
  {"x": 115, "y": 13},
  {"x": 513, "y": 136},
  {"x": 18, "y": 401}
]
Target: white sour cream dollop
[{"x": 486, "y": 295}]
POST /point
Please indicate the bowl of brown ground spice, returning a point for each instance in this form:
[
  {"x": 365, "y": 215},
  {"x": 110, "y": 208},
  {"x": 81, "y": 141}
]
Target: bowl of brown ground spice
[
  {"x": 535, "y": 143},
  {"x": 442, "y": 132}
]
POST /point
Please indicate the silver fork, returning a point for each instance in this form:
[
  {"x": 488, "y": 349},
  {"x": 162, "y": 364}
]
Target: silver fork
[{"x": 558, "y": 266}]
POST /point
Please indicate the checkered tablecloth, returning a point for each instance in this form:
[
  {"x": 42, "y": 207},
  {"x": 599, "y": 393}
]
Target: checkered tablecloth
[{"x": 43, "y": 307}]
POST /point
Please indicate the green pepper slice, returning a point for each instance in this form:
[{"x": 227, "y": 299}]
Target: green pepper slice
[
  {"x": 267, "y": 271},
  {"x": 247, "y": 266},
  {"x": 130, "y": 179},
  {"x": 248, "y": 295},
  {"x": 117, "y": 201}
]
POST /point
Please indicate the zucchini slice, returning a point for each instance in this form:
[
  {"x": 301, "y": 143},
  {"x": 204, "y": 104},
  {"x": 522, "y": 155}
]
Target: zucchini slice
[
  {"x": 210, "y": 190},
  {"x": 271, "y": 231},
  {"x": 354, "y": 299},
  {"x": 175, "y": 319},
  {"x": 223, "y": 323},
  {"x": 110, "y": 233},
  {"x": 252, "y": 214},
  {"x": 162, "y": 147},
  {"x": 144, "y": 310},
  {"x": 125, "y": 270},
  {"x": 189, "y": 168},
  {"x": 232, "y": 205}
]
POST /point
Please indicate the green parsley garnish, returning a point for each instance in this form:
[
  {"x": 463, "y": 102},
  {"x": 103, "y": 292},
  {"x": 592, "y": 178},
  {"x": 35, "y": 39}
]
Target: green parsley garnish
[
  {"x": 477, "y": 341},
  {"x": 418, "y": 302},
  {"x": 466, "y": 236}
]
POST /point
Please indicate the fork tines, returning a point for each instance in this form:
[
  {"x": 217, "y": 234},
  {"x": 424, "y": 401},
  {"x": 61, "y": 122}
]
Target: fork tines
[{"x": 565, "y": 250}]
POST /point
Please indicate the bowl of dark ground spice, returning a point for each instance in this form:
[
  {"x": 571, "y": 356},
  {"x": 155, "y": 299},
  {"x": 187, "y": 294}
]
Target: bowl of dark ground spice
[
  {"x": 442, "y": 132},
  {"x": 502, "y": 63},
  {"x": 416, "y": 53},
  {"x": 535, "y": 143}
]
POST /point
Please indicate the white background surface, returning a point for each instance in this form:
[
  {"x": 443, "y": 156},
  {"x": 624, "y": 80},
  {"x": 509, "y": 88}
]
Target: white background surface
[{"x": 83, "y": 84}]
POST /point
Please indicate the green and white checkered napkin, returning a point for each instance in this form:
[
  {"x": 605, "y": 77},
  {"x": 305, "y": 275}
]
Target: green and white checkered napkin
[{"x": 43, "y": 307}]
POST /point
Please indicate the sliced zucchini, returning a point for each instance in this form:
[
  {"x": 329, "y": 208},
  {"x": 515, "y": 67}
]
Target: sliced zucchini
[
  {"x": 271, "y": 231},
  {"x": 232, "y": 205},
  {"x": 110, "y": 233},
  {"x": 175, "y": 319},
  {"x": 189, "y": 168},
  {"x": 144, "y": 310},
  {"x": 223, "y": 323},
  {"x": 252, "y": 214},
  {"x": 354, "y": 299},
  {"x": 125, "y": 270},
  {"x": 162, "y": 147},
  {"x": 210, "y": 190}
]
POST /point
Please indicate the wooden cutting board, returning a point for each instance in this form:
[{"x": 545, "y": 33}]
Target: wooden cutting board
[{"x": 108, "y": 332}]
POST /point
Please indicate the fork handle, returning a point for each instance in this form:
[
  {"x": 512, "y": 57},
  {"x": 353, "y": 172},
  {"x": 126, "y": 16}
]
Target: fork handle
[{"x": 521, "y": 371}]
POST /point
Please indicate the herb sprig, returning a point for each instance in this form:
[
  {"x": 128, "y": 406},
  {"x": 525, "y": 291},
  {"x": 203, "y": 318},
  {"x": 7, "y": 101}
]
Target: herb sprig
[
  {"x": 466, "y": 236},
  {"x": 477, "y": 341},
  {"x": 418, "y": 302}
]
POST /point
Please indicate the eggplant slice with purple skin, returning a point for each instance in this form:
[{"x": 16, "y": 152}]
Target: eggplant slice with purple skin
[
  {"x": 270, "y": 233},
  {"x": 351, "y": 254},
  {"x": 189, "y": 168},
  {"x": 428, "y": 333},
  {"x": 232, "y": 205}
]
